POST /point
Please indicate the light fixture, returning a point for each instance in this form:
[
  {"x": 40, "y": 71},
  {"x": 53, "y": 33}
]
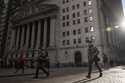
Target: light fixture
[{"x": 108, "y": 29}]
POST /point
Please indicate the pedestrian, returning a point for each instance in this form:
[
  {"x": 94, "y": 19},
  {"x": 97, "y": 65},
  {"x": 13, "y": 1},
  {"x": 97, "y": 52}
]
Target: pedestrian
[
  {"x": 111, "y": 62},
  {"x": 41, "y": 65},
  {"x": 93, "y": 58},
  {"x": 20, "y": 62},
  {"x": 47, "y": 60},
  {"x": 10, "y": 62},
  {"x": 105, "y": 59}
]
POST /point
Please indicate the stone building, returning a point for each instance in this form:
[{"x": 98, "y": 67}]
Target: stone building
[{"x": 62, "y": 27}]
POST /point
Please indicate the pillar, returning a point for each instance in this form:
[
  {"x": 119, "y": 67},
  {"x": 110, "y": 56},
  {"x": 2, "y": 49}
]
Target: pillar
[
  {"x": 17, "y": 37},
  {"x": 45, "y": 33},
  {"x": 22, "y": 36},
  {"x": 33, "y": 35},
  {"x": 27, "y": 35},
  {"x": 52, "y": 30},
  {"x": 38, "y": 34}
]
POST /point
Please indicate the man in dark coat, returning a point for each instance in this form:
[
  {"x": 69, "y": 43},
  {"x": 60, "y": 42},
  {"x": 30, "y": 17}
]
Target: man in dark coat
[
  {"x": 93, "y": 58},
  {"x": 41, "y": 65}
]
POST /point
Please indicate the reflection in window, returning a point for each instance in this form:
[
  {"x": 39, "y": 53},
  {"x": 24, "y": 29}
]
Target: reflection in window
[
  {"x": 90, "y": 11},
  {"x": 91, "y": 28},
  {"x": 90, "y": 18},
  {"x": 89, "y": 2}
]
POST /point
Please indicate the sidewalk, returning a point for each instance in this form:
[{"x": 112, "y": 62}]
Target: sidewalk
[{"x": 54, "y": 72}]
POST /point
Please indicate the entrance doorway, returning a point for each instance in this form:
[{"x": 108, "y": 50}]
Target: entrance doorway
[{"x": 78, "y": 58}]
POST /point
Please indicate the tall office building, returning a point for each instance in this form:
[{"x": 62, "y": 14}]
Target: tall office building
[{"x": 63, "y": 27}]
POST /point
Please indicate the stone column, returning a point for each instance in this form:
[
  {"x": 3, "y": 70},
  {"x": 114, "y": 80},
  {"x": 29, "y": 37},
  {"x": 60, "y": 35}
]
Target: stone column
[
  {"x": 17, "y": 39},
  {"x": 45, "y": 33},
  {"x": 33, "y": 35},
  {"x": 38, "y": 34},
  {"x": 14, "y": 37},
  {"x": 52, "y": 31},
  {"x": 22, "y": 35},
  {"x": 27, "y": 35}
]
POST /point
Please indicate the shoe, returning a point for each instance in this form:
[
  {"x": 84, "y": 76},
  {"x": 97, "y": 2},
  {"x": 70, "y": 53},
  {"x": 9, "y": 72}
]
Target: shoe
[
  {"x": 100, "y": 75},
  {"x": 88, "y": 76}
]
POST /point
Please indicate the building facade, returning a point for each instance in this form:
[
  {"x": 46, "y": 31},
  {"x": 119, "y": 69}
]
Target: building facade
[
  {"x": 110, "y": 18},
  {"x": 62, "y": 27}
]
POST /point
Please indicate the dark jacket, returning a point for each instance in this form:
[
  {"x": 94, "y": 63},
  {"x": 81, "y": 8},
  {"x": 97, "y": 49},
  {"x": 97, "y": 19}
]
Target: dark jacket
[{"x": 93, "y": 53}]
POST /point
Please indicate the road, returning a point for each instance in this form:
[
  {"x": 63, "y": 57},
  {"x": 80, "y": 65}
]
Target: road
[{"x": 112, "y": 75}]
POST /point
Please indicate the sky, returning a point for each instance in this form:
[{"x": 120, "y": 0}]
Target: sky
[{"x": 123, "y": 2}]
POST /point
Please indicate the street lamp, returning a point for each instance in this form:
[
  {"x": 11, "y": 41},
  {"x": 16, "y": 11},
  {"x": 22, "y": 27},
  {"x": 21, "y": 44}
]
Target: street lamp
[{"x": 108, "y": 29}]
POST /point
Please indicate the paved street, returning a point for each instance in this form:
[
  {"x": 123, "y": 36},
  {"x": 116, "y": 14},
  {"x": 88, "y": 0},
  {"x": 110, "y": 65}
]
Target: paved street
[{"x": 112, "y": 75}]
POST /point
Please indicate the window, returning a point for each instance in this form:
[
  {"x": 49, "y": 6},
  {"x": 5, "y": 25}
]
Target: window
[
  {"x": 63, "y": 10},
  {"x": 67, "y": 1},
  {"x": 89, "y": 2},
  {"x": 74, "y": 22},
  {"x": 67, "y": 33},
  {"x": 63, "y": 42},
  {"x": 90, "y": 18},
  {"x": 87, "y": 40},
  {"x": 91, "y": 28},
  {"x": 68, "y": 42},
  {"x": 84, "y": 3},
  {"x": 74, "y": 41},
  {"x": 79, "y": 31},
  {"x": 66, "y": 52},
  {"x": 93, "y": 37},
  {"x": 85, "y": 19},
  {"x": 85, "y": 12},
  {"x": 73, "y": 7},
  {"x": 63, "y": 34},
  {"x": 67, "y": 17},
  {"x": 79, "y": 40},
  {"x": 63, "y": 18},
  {"x": 74, "y": 32},
  {"x": 78, "y": 21},
  {"x": 63, "y": 1},
  {"x": 67, "y": 9},
  {"x": 67, "y": 23},
  {"x": 78, "y": 6},
  {"x": 63, "y": 24},
  {"x": 73, "y": 15},
  {"x": 78, "y": 14},
  {"x": 86, "y": 29},
  {"x": 90, "y": 11}
]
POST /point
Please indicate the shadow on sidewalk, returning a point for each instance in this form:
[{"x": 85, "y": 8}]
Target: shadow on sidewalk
[
  {"x": 85, "y": 80},
  {"x": 15, "y": 75}
]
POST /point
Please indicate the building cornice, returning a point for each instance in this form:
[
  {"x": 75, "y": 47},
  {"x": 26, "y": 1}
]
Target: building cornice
[{"x": 33, "y": 11}]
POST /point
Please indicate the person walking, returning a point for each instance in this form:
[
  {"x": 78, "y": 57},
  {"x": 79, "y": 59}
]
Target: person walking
[
  {"x": 20, "y": 62},
  {"x": 105, "y": 59},
  {"x": 47, "y": 62},
  {"x": 93, "y": 58},
  {"x": 41, "y": 65}
]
